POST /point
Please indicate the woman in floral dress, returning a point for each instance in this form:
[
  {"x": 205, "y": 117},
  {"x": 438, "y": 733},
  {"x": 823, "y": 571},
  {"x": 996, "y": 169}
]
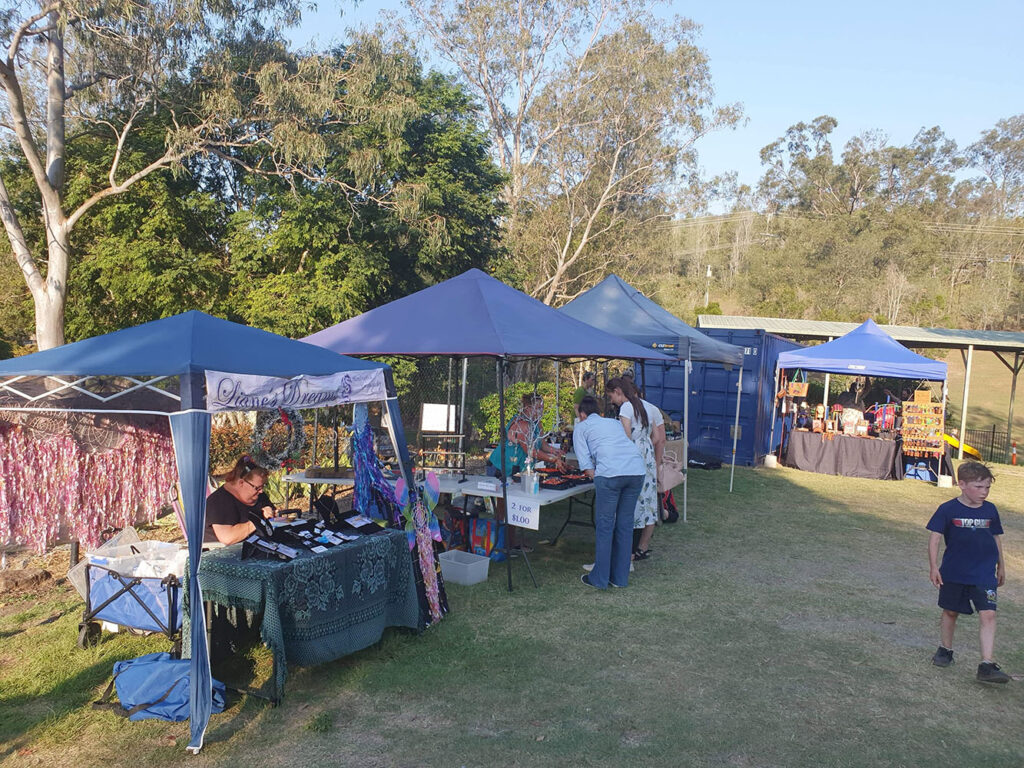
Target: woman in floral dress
[{"x": 645, "y": 426}]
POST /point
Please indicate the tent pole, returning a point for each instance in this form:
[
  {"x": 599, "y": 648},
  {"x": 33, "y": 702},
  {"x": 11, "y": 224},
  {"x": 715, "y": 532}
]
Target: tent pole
[
  {"x": 686, "y": 436},
  {"x": 775, "y": 389},
  {"x": 558, "y": 381},
  {"x": 828, "y": 381},
  {"x": 503, "y": 437},
  {"x": 736, "y": 427},
  {"x": 462, "y": 416},
  {"x": 967, "y": 391}
]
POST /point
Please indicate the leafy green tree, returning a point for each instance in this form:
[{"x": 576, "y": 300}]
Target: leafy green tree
[
  {"x": 304, "y": 257},
  {"x": 593, "y": 108},
  {"x": 212, "y": 74}
]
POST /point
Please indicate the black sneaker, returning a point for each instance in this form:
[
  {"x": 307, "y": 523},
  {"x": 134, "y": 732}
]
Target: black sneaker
[
  {"x": 989, "y": 672},
  {"x": 943, "y": 657}
]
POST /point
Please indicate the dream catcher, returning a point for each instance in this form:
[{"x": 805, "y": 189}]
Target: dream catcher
[{"x": 422, "y": 530}]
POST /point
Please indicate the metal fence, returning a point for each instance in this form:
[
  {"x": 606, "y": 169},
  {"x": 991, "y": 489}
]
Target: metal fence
[{"x": 993, "y": 445}]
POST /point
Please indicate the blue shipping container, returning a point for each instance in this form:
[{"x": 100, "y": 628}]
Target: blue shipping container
[{"x": 713, "y": 396}]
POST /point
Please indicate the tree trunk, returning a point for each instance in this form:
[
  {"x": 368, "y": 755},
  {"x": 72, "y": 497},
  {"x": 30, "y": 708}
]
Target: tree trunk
[{"x": 50, "y": 301}]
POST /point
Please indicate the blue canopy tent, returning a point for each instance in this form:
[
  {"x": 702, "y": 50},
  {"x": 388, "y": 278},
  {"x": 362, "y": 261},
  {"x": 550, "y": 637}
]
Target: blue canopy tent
[
  {"x": 867, "y": 350},
  {"x": 186, "y": 367},
  {"x": 470, "y": 315},
  {"x": 613, "y": 305}
]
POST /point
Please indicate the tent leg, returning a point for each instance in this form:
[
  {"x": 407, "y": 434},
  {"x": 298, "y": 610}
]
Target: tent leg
[
  {"x": 828, "y": 381},
  {"x": 686, "y": 438},
  {"x": 558, "y": 381},
  {"x": 462, "y": 417},
  {"x": 503, "y": 438},
  {"x": 736, "y": 427},
  {"x": 771, "y": 431}
]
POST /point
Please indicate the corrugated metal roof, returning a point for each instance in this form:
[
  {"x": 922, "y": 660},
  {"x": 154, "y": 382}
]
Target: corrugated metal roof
[{"x": 909, "y": 335}]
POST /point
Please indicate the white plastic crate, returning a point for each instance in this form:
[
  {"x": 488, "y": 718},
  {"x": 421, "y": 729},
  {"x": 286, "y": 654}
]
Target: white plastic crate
[{"x": 461, "y": 567}]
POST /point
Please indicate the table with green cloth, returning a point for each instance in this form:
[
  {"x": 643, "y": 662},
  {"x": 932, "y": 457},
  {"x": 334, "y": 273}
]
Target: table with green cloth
[{"x": 318, "y": 607}]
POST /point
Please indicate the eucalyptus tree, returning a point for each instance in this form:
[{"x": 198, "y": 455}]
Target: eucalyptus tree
[
  {"x": 209, "y": 73},
  {"x": 593, "y": 108}
]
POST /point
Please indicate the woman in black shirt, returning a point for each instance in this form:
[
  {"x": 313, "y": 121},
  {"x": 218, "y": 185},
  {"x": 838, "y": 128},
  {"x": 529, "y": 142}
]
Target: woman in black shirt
[{"x": 228, "y": 509}]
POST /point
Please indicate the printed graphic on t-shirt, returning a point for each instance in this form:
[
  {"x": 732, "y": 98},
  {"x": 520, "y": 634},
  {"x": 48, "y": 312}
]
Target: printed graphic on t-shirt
[{"x": 972, "y": 522}]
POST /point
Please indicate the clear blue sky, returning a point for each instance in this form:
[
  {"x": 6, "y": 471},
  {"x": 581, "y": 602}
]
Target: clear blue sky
[{"x": 896, "y": 66}]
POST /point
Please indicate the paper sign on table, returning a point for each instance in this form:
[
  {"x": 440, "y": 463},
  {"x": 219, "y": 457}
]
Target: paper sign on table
[{"x": 524, "y": 512}]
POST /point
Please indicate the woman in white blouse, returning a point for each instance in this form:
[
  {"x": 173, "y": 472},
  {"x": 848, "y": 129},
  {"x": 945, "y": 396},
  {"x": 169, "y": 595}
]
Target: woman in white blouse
[{"x": 645, "y": 426}]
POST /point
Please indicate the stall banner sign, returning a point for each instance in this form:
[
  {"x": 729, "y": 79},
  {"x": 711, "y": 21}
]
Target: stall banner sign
[
  {"x": 524, "y": 512},
  {"x": 244, "y": 392}
]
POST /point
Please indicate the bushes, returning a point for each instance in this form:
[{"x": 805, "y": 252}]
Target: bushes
[{"x": 485, "y": 418}]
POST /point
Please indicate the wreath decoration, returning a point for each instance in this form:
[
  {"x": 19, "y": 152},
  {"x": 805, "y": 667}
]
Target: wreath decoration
[{"x": 271, "y": 451}]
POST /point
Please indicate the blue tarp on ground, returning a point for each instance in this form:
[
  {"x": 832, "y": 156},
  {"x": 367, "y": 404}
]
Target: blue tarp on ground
[
  {"x": 613, "y": 305},
  {"x": 867, "y": 350},
  {"x": 473, "y": 314}
]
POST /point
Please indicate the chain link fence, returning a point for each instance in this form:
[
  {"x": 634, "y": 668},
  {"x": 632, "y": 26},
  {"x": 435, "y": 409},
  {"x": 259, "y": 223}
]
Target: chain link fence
[{"x": 438, "y": 381}]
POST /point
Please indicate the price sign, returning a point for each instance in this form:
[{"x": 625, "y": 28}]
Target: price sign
[{"x": 524, "y": 512}]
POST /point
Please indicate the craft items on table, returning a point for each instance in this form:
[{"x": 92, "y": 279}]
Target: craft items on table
[{"x": 922, "y": 429}]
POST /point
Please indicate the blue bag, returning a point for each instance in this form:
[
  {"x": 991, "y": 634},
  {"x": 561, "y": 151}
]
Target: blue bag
[{"x": 155, "y": 686}]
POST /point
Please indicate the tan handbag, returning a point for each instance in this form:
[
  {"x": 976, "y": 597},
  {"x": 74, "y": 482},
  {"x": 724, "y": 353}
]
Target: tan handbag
[{"x": 670, "y": 472}]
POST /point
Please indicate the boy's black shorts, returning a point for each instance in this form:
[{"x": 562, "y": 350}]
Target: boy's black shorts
[{"x": 958, "y": 597}]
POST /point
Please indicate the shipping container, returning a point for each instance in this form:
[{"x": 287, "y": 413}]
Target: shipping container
[{"x": 713, "y": 396}]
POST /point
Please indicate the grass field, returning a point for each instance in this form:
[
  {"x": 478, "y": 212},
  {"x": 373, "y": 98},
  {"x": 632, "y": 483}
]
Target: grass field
[{"x": 788, "y": 624}]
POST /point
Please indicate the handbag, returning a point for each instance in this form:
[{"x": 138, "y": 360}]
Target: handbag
[
  {"x": 670, "y": 472},
  {"x": 797, "y": 388},
  {"x": 487, "y": 538}
]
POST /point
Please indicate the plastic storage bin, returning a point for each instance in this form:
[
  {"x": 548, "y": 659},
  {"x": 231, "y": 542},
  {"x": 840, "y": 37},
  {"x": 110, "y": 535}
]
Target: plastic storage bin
[{"x": 464, "y": 567}]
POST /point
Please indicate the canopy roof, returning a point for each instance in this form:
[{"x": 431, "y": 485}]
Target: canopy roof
[
  {"x": 185, "y": 343},
  {"x": 473, "y": 314},
  {"x": 867, "y": 350},
  {"x": 613, "y": 305},
  {"x": 139, "y": 368}
]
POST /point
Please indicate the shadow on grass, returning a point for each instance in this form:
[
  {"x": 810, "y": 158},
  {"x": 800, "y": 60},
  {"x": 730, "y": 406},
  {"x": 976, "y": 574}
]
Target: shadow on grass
[{"x": 20, "y": 715}]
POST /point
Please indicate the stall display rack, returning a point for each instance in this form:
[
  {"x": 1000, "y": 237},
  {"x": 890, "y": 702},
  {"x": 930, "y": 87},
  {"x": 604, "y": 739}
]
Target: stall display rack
[{"x": 922, "y": 429}]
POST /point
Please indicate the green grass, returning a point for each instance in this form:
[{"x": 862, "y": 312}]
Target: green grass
[{"x": 790, "y": 623}]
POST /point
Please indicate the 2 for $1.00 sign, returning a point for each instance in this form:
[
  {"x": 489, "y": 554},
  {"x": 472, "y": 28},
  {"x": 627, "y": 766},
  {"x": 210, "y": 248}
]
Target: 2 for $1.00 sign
[{"x": 524, "y": 512}]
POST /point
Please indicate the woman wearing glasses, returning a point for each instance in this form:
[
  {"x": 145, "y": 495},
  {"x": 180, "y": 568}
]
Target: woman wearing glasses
[{"x": 229, "y": 508}]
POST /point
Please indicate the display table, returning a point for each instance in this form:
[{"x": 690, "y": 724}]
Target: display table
[
  {"x": 318, "y": 607},
  {"x": 471, "y": 487},
  {"x": 845, "y": 455}
]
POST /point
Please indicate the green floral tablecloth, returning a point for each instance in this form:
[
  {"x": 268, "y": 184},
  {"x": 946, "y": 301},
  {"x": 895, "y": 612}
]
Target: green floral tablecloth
[{"x": 318, "y": 607}]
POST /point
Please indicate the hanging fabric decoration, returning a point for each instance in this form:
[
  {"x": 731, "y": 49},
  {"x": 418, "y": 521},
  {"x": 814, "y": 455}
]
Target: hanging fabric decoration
[
  {"x": 422, "y": 530},
  {"x": 70, "y": 482},
  {"x": 374, "y": 496},
  {"x": 270, "y": 449}
]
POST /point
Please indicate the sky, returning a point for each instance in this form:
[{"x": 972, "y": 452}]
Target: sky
[{"x": 895, "y": 66}]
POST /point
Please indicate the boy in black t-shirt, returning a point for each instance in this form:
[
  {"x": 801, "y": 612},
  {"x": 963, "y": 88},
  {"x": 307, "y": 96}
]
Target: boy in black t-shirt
[{"x": 972, "y": 565}]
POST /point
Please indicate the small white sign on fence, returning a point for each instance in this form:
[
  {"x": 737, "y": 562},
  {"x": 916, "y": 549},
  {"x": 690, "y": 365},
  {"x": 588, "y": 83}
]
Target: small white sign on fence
[{"x": 524, "y": 512}]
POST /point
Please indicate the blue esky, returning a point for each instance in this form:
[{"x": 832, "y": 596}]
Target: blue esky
[{"x": 894, "y": 66}]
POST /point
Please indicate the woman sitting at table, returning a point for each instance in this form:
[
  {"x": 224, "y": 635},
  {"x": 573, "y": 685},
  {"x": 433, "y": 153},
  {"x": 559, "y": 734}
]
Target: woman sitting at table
[
  {"x": 228, "y": 509},
  {"x": 523, "y": 442}
]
